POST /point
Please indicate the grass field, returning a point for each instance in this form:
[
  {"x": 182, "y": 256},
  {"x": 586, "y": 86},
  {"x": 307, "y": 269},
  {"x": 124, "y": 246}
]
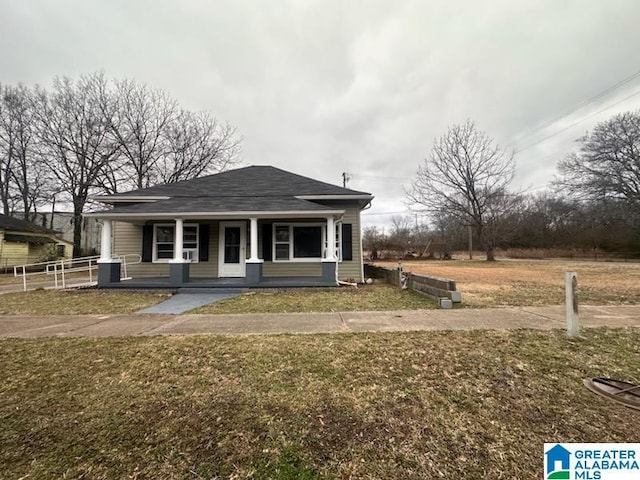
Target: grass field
[
  {"x": 534, "y": 282},
  {"x": 349, "y": 406}
]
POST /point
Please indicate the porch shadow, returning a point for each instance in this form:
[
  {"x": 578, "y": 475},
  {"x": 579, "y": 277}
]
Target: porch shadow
[{"x": 220, "y": 283}]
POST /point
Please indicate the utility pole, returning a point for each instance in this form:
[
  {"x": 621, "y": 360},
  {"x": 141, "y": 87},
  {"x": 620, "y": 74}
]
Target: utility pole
[
  {"x": 470, "y": 232},
  {"x": 345, "y": 179}
]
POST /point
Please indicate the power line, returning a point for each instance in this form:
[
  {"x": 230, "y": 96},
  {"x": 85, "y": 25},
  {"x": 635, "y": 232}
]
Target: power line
[
  {"x": 373, "y": 214},
  {"x": 580, "y": 105},
  {"x": 378, "y": 177},
  {"x": 583, "y": 103},
  {"x": 577, "y": 122}
]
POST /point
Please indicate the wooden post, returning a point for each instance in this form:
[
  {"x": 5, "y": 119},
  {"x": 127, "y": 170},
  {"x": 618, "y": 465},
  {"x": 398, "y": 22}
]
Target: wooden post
[
  {"x": 571, "y": 301},
  {"x": 400, "y": 275}
]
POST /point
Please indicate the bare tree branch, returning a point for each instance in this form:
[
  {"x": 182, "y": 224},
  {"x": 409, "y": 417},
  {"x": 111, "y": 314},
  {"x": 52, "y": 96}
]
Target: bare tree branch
[
  {"x": 607, "y": 164},
  {"x": 466, "y": 176},
  {"x": 74, "y": 138}
]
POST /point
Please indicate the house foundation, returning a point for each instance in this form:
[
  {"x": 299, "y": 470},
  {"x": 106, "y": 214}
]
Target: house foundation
[
  {"x": 178, "y": 273},
  {"x": 108, "y": 273},
  {"x": 253, "y": 272}
]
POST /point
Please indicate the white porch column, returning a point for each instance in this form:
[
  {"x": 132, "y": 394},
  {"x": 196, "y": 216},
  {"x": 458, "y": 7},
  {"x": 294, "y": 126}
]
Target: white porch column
[
  {"x": 178, "y": 241},
  {"x": 331, "y": 240},
  {"x": 108, "y": 268},
  {"x": 253, "y": 227},
  {"x": 105, "y": 242},
  {"x": 253, "y": 274}
]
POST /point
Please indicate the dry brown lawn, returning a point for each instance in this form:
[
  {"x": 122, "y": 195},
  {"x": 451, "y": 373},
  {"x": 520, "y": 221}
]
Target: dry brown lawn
[
  {"x": 424, "y": 405},
  {"x": 78, "y": 302},
  {"x": 306, "y": 300},
  {"x": 533, "y": 282}
]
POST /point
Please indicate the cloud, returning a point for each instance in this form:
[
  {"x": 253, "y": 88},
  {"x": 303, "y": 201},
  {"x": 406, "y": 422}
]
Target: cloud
[{"x": 324, "y": 87}]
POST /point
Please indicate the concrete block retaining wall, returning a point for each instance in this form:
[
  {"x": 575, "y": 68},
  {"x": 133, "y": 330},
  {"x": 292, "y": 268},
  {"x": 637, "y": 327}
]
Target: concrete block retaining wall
[{"x": 432, "y": 286}]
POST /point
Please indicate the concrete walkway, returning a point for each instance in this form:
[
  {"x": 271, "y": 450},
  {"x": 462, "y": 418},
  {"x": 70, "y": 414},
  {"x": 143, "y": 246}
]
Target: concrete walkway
[
  {"x": 183, "y": 302},
  {"x": 244, "y": 324}
]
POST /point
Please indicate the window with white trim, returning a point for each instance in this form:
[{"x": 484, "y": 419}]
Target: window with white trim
[
  {"x": 298, "y": 242},
  {"x": 163, "y": 242},
  {"x": 338, "y": 244}
]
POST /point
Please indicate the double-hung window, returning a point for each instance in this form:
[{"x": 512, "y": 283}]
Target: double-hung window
[
  {"x": 282, "y": 242},
  {"x": 164, "y": 242},
  {"x": 338, "y": 241},
  {"x": 298, "y": 242}
]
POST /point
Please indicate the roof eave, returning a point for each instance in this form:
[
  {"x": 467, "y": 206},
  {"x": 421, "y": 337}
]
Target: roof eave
[
  {"x": 216, "y": 215},
  {"x": 335, "y": 197},
  {"x": 364, "y": 200},
  {"x": 129, "y": 198}
]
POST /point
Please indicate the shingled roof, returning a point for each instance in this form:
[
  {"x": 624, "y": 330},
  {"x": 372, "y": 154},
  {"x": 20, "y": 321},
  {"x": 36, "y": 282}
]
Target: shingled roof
[
  {"x": 18, "y": 225},
  {"x": 260, "y": 181},
  {"x": 250, "y": 189}
]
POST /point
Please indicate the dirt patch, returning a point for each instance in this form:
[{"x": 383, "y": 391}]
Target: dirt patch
[{"x": 534, "y": 282}]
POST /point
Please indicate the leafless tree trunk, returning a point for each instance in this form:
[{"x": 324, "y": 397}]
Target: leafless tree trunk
[
  {"x": 93, "y": 135},
  {"x": 7, "y": 146},
  {"x": 466, "y": 176},
  {"x": 75, "y": 139},
  {"x": 23, "y": 180}
]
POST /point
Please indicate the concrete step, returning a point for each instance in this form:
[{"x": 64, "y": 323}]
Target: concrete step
[{"x": 209, "y": 290}]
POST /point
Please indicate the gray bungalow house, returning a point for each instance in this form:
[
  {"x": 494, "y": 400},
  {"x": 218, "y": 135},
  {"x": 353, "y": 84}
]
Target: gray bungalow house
[{"x": 254, "y": 226}]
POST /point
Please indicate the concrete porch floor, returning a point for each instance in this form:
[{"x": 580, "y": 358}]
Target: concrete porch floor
[{"x": 221, "y": 283}]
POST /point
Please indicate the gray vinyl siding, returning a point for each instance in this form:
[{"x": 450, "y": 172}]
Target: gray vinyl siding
[
  {"x": 292, "y": 269},
  {"x": 351, "y": 269},
  {"x": 128, "y": 240}
]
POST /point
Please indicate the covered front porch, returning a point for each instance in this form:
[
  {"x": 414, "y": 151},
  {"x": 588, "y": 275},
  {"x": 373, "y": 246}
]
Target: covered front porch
[
  {"x": 258, "y": 252},
  {"x": 220, "y": 283}
]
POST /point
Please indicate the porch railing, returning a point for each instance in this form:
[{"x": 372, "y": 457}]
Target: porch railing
[{"x": 68, "y": 272}]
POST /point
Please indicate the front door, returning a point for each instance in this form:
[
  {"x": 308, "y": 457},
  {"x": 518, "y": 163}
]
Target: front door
[{"x": 232, "y": 253}]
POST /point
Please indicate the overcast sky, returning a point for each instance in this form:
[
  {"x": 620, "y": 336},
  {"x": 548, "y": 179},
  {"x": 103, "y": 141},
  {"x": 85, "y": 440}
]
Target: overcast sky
[{"x": 321, "y": 87}]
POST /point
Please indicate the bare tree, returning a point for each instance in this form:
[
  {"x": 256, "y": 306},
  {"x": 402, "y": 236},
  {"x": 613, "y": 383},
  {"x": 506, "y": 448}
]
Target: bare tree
[
  {"x": 399, "y": 238},
  {"x": 23, "y": 181},
  {"x": 466, "y": 175},
  {"x": 28, "y": 177},
  {"x": 140, "y": 125},
  {"x": 7, "y": 156},
  {"x": 607, "y": 165},
  {"x": 197, "y": 145},
  {"x": 90, "y": 135},
  {"x": 372, "y": 241},
  {"x": 75, "y": 139}
]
